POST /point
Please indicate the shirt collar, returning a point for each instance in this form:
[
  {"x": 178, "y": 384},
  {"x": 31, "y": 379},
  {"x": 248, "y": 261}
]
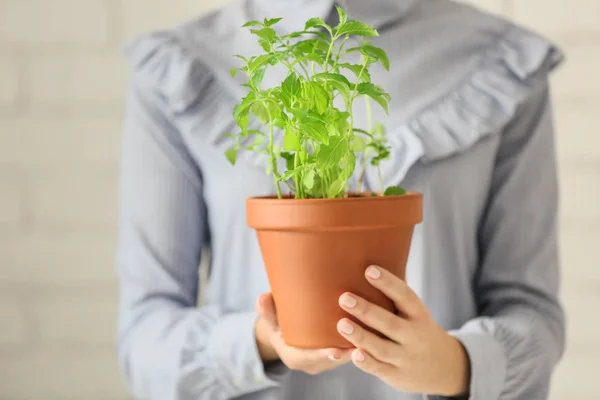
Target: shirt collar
[{"x": 376, "y": 13}]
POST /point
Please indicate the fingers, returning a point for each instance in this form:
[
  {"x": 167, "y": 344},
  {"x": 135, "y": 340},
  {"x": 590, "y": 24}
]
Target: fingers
[
  {"x": 382, "y": 349},
  {"x": 376, "y": 317},
  {"x": 310, "y": 361},
  {"x": 314, "y": 362},
  {"x": 406, "y": 301},
  {"x": 367, "y": 363},
  {"x": 339, "y": 356},
  {"x": 265, "y": 307}
]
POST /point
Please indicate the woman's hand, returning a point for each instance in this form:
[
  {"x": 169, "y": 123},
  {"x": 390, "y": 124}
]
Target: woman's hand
[
  {"x": 271, "y": 345},
  {"x": 417, "y": 355}
]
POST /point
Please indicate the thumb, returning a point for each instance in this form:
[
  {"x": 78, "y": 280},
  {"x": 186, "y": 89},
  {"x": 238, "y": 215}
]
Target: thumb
[{"x": 265, "y": 307}]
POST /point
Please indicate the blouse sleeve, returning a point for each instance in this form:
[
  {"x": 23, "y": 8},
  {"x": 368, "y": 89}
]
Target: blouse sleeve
[
  {"x": 519, "y": 336},
  {"x": 168, "y": 349}
]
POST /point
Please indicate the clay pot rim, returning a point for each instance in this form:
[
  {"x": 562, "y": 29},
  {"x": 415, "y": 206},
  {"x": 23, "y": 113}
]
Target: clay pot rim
[
  {"x": 364, "y": 197},
  {"x": 271, "y": 213}
]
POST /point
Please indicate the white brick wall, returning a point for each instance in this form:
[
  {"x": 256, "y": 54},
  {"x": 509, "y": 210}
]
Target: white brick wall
[
  {"x": 40, "y": 22},
  {"x": 76, "y": 318},
  {"x": 13, "y": 334},
  {"x": 577, "y": 80},
  {"x": 61, "y": 372},
  {"x": 69, "y": 199},
  {"x": 577, "y": 124},
  {"x": 144, "y": 15},
  {"x": 82, "y": 80},
  {"x": 558, "y": 17},
  {"x": 13, "y": 201},
  {"x": 93, "y": 140},
  {"x": 9, "y": 81},
  {"x": 52, "y": 259},
  {"x": 62, "y": 83}
]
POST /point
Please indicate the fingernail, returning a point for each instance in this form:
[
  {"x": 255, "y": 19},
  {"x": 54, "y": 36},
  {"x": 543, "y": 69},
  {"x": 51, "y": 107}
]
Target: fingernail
[
  {"x": 347, "y": 301},
  {"x": 346, "y": 327},
  {"x": 359, "y": 356},
  {"x": 333, "y": 358},
  {"x": 373, "y": 272}
]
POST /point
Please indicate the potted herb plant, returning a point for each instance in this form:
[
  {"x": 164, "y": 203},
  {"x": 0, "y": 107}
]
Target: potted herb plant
[{"x": 318, "y": 234}]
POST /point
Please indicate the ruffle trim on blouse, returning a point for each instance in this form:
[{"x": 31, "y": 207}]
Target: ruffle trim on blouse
[
  {"x": 483, "y": 103},
  {"x": 488, "y": 99},
  {"x": 163, "y": 62}
]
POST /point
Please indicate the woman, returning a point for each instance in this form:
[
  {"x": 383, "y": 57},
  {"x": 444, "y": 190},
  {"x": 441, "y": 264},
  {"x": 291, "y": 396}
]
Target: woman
[{"x": 470, "y": 125}]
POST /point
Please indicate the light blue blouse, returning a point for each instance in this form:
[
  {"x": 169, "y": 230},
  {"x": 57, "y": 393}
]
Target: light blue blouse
[{"x": 471, "y": 127}]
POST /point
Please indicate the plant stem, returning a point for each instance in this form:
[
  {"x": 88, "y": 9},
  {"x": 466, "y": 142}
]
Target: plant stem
[
  {"x": 305, "y": 71},
  {"x": 361, "y": 176},
  {"x": 272, "y": 155},
  {"x": 358, "y": 80},
  {"x": 337, "y": 57},
  {"x": 298, "y": 178},
  {"x": 369, "y": 114},
  {"x": 363, "y": 167},
  {"x": 380, "y": 178},
  {"x": 333, "y": 39}
]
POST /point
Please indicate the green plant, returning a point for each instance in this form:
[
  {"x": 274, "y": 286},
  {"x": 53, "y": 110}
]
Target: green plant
[{"x": 321, "y": 145}]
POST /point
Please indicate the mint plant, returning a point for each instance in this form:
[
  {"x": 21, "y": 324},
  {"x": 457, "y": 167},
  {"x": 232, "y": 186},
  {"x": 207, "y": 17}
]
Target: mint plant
[{"x": 313, "y": 107}]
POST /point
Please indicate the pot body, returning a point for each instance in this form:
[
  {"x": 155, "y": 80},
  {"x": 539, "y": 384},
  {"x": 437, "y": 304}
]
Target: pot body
[{"x": 316, "y": 249}]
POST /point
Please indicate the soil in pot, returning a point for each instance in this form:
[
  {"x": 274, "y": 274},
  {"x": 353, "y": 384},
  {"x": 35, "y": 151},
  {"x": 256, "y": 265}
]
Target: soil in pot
[{"x": 316, "y": 249}]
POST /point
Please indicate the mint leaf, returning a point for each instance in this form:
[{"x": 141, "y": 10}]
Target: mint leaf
[
  {"x": 241, "y": 58},
  {"x": 338, "y": 81},
  {"x": 290, "y": 140},
  {"x": 265, "y": 44},
  {"x": 374, "y": 53},
  {"x": 287, "y": 175},
  {"x": 328, "y": 76},
  {"x": 331, "y": 154},
  {"x": 241, "y": 111},
  {"x": 289, "y": 159},
  {"x": 311, "y": 46},
  {"x": 349, "y": 165},
  {"x": 266, "y": 111},
  {"x": 258, "y": 77},
  {"x": 358, "y": 144},
  {"x": 337, "y": 122},
  {"x": 342, "y": 15},
  {"x": 362, "y": 74},
  {"x": 260, "y": 61},
  {"x": 316, "y": 23},
  {"x": 272, "y": 21},
  {"x": 268, "y": 34},
  {"x": 252, "y": 23},
  {"x": 315, "y": 129},
  {"x": 291, "y": 85},
  {"x": 376, "y": 93},
  {"x": 317, "y": 96},
  {"x": 309, "y": 179},
  {"x": 394, "y": 191},
  {"x": 357, "y": 28},
  {"x": 336, "y": 188},
  {"x": 266, "y": 37},
  {"x": 231, "y": 155}
]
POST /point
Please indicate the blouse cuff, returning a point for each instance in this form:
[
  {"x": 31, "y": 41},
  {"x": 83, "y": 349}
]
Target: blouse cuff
[
  {"x": 233, "y": 350},
  {"x": 488, "y": 363}
]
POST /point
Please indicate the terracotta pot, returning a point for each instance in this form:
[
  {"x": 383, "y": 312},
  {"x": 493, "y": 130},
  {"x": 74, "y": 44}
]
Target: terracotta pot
[{"x": 316, "y": 249}]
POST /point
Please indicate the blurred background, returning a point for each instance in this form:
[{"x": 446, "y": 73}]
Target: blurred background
[{"x": 62, "y": 83}]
